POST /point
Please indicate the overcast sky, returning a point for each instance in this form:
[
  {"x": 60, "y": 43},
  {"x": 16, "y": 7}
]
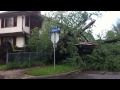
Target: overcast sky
[{"x": 104, "y": 23}]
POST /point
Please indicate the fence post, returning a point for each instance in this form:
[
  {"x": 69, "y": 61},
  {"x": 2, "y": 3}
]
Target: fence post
[
  {"x": 29, "y": 57},
  {"x": 7, "y": 58}
]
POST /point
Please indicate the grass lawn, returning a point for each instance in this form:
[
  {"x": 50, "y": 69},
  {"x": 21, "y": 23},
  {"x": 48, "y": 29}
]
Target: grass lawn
[
  {"x": 3, "y": 67},
  {"x": 50, "y": 70}
]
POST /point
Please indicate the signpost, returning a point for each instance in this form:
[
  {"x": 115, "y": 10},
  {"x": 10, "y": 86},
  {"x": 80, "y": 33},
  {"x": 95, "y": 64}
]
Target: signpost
[{"x": 54, "y": 39}]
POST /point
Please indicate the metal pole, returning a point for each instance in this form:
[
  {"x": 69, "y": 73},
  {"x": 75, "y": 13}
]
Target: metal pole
[
  {"x": 7, "y": 58},
  {"x": 29, "y": 57},
  {"x": 54, "y": 48},
  {"x": 54, "y": 57}
]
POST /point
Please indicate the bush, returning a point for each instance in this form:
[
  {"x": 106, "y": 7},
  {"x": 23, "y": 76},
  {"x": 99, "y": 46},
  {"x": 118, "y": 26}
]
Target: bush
[
  {"x": 104, "y": 57},
  {"x": 75, "y": 61},
  {"x": 25, "y": 64}
]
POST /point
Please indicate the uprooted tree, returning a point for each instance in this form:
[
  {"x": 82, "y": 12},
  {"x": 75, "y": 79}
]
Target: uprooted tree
[
  {"x": 106, "y": 56},
  {"x": 73, "y": 25}
]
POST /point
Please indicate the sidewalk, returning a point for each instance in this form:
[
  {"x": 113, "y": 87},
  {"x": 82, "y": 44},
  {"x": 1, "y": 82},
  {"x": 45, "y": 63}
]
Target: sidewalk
[
  {"x": 16, "y": 74},
  {"x": 20, "y": 74}
]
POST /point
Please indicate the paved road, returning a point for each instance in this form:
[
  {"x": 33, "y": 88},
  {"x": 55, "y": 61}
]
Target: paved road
[
  {"x": 90, "y": 75},
  {"x": 16, "y": 74},
  {"x": 20, "y": 74},
  {"x": 95, "y": 75}
]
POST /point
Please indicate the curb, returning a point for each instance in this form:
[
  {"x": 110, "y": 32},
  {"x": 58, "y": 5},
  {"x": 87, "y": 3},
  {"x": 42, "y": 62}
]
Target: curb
[{"x": 55, "y": 76}]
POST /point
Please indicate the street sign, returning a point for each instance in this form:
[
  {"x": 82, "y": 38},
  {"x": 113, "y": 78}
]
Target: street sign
[
  {"x": 54, "y": 30},
  {"x": 55, "y": 38}
]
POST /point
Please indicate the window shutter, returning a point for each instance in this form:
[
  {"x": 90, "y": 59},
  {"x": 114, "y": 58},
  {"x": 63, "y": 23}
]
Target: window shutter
[
  {"x": 2, "y": 23},
  {"x": 15, "y": 21},
  {"x": 6, "y": 22}
]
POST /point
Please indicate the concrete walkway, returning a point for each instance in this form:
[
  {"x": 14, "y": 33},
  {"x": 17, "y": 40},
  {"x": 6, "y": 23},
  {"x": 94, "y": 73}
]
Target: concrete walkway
[{"x": 16, "y": 74}]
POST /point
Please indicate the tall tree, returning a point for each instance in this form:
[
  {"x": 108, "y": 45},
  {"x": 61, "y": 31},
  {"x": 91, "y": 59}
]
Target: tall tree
[
  {"x": 110, "y": 35},
  {"x": 71, "y": 24},
  {"x": 115, "y": 32}
]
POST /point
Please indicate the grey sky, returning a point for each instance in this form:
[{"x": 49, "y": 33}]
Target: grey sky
[{"x": 104, "y": 23}]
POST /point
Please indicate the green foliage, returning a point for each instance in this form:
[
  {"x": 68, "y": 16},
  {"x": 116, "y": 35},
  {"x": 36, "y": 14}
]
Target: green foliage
[
  {"x": 24, "y": 64},
  {"x": 116, "y": 27},
  {"x": 104, "y": 57},
  {"x": 110, "y": 35},
  {"x": 50, "y": 70},
  {"x": 89, "y": 36},
  {"x": 3, "y": 67},
  {"x": 71, "y": 24},
  {"x": 40, "y": 42},
  {"x": 115, "y": 32}
]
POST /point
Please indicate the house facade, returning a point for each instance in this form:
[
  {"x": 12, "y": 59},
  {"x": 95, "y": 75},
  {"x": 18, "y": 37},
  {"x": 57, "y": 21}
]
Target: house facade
[{"x": 16, "y": 26}]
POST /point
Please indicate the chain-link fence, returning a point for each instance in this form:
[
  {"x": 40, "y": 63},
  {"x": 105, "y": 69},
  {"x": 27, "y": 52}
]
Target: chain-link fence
[{"x": 25, "y": 57}]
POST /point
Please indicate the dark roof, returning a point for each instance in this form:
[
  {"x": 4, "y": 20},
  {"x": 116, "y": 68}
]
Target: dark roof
[{"x": 15, "y": 13}]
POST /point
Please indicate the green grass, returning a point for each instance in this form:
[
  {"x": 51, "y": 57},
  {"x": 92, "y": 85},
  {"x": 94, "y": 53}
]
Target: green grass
[
  {"x": 50, "y": 70},
  {"x": 3, "y": 67}
]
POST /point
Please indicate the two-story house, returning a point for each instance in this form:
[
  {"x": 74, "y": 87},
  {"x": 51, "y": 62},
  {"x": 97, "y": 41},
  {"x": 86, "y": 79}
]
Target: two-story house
[{"x": 15, "y": 26}]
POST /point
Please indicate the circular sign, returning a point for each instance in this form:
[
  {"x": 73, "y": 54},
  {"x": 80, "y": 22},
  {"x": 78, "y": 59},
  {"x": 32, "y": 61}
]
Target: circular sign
[{"x": 54, "y": 38}]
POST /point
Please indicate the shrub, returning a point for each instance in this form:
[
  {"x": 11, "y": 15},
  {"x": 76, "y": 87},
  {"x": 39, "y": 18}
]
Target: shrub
[{"x": 104, "y": 57}]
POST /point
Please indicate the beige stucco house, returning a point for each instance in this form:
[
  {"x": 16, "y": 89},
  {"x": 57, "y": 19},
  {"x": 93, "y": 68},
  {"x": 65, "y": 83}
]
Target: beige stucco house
[{"x": 16, "y": 26}]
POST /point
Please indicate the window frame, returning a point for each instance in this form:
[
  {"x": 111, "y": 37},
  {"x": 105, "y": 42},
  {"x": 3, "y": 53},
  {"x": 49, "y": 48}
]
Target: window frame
[
  {"x": 9, "y": 22},
  {"x": 4, "y": 22}
]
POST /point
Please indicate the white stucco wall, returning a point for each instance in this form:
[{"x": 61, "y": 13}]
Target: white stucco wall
[
  {"x": 12, "y": 29},
  {"x": 20, "y": 42},
  {"x": 25, "y": 28}
]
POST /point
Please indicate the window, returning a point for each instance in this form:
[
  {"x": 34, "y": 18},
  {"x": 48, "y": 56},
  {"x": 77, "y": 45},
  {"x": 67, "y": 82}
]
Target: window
[
  {"x": 12, "y": 40},
  {"x": 27, "y": 20},
  {"x": 8, "y": 39},
  {"x": 9, "y": 22}
]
